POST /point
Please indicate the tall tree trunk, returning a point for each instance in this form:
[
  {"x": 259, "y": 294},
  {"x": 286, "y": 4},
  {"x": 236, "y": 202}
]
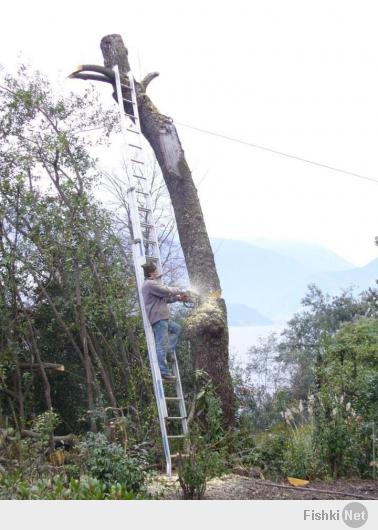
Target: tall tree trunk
[
  {"x": 35, "y": 349},
  {"x": 104, "y": 374},
  {"x": 208, "y": 331},
  {"x": 84, "y": 345}
]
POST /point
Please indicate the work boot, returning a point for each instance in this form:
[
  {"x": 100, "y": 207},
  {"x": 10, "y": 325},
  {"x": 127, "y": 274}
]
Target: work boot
[{"x": 169, "y": 377}]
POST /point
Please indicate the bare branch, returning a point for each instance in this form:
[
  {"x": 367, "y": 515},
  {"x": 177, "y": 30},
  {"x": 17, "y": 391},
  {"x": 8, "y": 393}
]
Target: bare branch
[{"x": 148, "y": 78}]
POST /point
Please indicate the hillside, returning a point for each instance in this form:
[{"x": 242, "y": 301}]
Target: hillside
[
  {"x": 273, "y": 284},
  {"x": 243, "y": 315},
  {"x": 358, "y": 278},
  {"x": 312, "y": 256}
]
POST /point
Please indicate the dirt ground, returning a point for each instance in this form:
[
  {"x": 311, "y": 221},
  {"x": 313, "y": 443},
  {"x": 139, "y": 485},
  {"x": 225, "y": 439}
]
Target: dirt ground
[{"x": 236, "y": 487}]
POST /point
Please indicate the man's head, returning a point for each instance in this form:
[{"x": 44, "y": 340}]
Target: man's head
[{"x": 150, "y": 270}]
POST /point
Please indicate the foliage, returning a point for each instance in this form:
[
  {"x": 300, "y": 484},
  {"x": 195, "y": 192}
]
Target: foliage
[
  {"x": 93, "y": 469},
  {"x": 109, "y": 463},
  {"x": 322, "y": 315},
  {"x": 196, "y": 469},
  {"x": 270, "y": 452},
  {"x": 15, "y": 487},
  {"x": 298, "y": 458},
  {"x": 321, "y": 378},
  {"x": 67, "y": 290},
  {"x": 347, "y": 397},
  {"x": 44, "y": 425},
  {"x": 208, "y": 411},
  {"x": 206, "y": 445}
]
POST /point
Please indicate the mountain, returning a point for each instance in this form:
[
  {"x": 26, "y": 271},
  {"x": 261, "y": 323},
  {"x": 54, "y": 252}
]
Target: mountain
[
  {"x": 243, "y": 315},
  {"x": 358, "y": 278},
  {"x": 313, "y": 257},
  {"x": 267, "y": 281},
  {"x": 273, "y": 284}
]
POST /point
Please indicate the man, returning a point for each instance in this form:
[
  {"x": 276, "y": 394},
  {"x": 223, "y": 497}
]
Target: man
[{"x": 156, "y": 297}]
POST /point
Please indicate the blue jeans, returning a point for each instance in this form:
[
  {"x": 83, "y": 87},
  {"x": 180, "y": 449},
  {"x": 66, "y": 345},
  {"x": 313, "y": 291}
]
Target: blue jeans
[{"x": 166, "y": 334}]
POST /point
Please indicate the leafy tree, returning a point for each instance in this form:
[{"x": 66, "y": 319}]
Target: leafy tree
[
  {"x": 67, "y": 290},
  {"x": 346, "y": 397},
  {"x": 322, "y": 315}
]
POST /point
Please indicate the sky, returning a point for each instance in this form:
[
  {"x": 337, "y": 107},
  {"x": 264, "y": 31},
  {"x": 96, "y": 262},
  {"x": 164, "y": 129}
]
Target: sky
[{"x": 300, "y": 77}]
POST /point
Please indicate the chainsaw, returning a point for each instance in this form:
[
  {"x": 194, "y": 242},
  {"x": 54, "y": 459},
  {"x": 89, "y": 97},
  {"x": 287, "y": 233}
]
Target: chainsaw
[
  {"x": 192, "y": 299},
  {"x": 189, "y": 299}
]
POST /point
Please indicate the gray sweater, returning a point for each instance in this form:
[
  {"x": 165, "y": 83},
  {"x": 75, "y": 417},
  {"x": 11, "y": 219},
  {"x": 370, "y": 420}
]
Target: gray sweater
[{"x": 156, "y": 297}]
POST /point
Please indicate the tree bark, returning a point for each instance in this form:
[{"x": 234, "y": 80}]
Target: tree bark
[
  {"x": 84, "y": 345},
  {"x": 208, "y": 331}
]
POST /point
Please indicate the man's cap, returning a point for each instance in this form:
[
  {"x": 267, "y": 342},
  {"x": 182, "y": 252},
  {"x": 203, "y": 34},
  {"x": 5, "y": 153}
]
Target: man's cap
[{"x": 148, "y": 268}]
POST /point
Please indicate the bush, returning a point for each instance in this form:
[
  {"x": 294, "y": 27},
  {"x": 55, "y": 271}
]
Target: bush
[
  {"x": 197, "y": 468},
  {"x": 109, "y": 463},
  {"x": 97, "y": 470},
  {"x": 207, "y": 445},
  {"x": 243, "y": 444},
  {"x": 299, "y": 458},
  {"x": 342, "y": 439},
  {"x": 270, "y": 451},
  {"x": 15, "y": 487}
]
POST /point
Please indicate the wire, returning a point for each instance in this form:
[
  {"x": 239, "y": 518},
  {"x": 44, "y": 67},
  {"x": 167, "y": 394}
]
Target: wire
[
  {"x": 270, "y": 150},
  {"x": 219, "y": 246}
]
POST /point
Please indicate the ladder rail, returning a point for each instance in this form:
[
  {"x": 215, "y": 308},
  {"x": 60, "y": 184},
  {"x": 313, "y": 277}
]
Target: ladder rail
[
  {"x": 138, "y": 253},
  {"x": 139, "y": 259},
  {"x": 144, "y": 184},
  {"x": 144, "y": 248},
  {"x": 182, "y": 408}
]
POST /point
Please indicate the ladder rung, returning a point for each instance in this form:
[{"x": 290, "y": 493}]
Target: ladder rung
[
  {"x": 135, "y": 146},
  {"x": 131, "y": 116},
  {"x": 142, "y": 209},
  {"x": 177, "y": 455},
  {"x": 175, "y": 417},
  {"x": 142, "y": 193},
  {"x": 147, "y": 225},
  {"x": 137, "y": 161},
  {"x": 128, "y": 100},
  {"x": 127, "y": 86},
  {"x": 140, "y": 177},
  {"x": 150, "y": 242},
  {"x": 170, "y": 398},
  {"x": 132, "y": 130},
  {"x": 177, "y": 436}
]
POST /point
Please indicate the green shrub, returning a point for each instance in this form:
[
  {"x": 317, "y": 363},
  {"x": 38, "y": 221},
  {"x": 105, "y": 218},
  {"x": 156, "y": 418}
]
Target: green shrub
[
  {"x": 299, "y": 458},
  {"x": 44, "y": 425},
  {"x": 244, "y": 445},
  {"x": 14, "y": 487},
  {"x": 109, "y": 463},
  {"x": 342, "y": 439},
  {"x": 197, "y": 468},
  {"x": 207, "y": 444},
  {"x": 269, "y": 453}
]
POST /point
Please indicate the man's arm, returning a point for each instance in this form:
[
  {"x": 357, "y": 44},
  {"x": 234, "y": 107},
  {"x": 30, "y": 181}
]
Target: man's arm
[
  {"x": 181, "y": 297},
  {"x": 172, "y": 298},
  {"x": 163, "y": 291}
]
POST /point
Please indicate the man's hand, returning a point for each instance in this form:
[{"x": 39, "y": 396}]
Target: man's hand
[{"x": 182, "y": 297}]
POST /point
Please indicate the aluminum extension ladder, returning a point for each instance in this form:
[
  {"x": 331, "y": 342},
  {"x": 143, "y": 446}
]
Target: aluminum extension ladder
[{"x": 145, "y": 246}]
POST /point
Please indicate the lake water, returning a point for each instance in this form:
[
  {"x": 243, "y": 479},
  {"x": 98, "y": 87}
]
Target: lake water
[{"x": 243, "y": 337}]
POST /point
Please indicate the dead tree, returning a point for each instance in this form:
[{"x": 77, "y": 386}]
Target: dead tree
[{"x": 207, "y": 329}]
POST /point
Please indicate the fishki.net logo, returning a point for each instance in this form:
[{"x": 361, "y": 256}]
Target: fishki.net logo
[{"x": 354, "y": 515}]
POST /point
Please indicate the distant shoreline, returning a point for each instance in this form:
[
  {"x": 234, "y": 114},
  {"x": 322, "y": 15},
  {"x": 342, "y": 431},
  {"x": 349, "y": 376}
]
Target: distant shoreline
[{"x": 243, "y": 337}]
